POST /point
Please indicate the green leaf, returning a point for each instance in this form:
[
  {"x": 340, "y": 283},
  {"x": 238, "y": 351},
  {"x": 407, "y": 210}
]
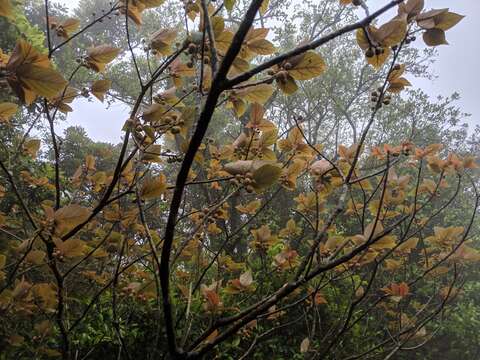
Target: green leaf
[
  {"x": 229, "y": 4},
  {"x": 265, "y": 176}
]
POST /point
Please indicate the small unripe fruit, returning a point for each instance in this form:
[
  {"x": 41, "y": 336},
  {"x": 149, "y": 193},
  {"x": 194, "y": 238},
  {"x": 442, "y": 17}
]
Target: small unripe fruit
[{"x": 369, "y": 53}]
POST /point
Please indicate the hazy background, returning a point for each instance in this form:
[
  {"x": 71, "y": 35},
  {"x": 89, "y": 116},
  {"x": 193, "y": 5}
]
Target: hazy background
[{"x": 457, "y": 68}]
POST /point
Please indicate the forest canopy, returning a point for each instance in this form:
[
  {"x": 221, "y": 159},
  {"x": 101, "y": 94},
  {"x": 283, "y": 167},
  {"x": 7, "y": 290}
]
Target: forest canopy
[{"x": 280, "y": 186}]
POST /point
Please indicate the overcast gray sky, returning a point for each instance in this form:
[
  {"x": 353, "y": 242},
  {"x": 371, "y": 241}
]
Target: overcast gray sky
[{"x": 457, "y": 68}]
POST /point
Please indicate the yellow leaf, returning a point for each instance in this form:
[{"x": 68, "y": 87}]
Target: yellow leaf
[
  {"x": 396, "y": 72},
  {"x": 377, "y": 61},
  {"x": 154, "y": 187},
  {"x": 229, "y": 4},
  {"x": 43, "y": 328},
  {"x": 435, "y": 37},
  {"x": 386, "y": 242},
  {"x": 362, "y": 39},
  {"x": 35, "y": 257},
  {"x": 90, "y": 162},
  {"x": 21, "y": 290},
  {"x": 64, "y": 28},
  {"x": 162, "y": 40},
  {"x": 265, "y": 176},
  {"x": 7, "y": 110},
  {"x": 408, "y": 245},
  {"x": 6, "y": 8},
  {"x": 398, "y": 85},
  {"x": 47, "y": 295},
  {"x": 43, "y": 81},
  {"x": 31, "y": 147},
  {"x": 238, "y": 167},
  {"x": 99, "y": 88},
  {"x": 148, "y": 4},
  {"x": 391, "y": 33},
  {"x": 261, "y": 47},
  {"x": 25, "y": 53},
  {"x": 447, "y": 20},
  {"x": 256, "y": 94},
  {"x": 250, "y": 208},
  {"x": 311, "y": 65},
  {"x": 411, "y": 8},
  {"x": 70, "y": 248},
  {"x": 264, "y": 7},
  {"x": 66, "y": 218},
  {"x": 98, "y": 57},
  {"x": 287, "y": 85}
]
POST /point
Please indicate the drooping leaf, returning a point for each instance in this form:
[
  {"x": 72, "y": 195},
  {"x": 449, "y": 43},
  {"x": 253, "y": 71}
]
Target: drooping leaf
[
  {"x": 398, "y": 85},
  {"x": 311, "y": 65},
  {"x": 31, "y": 147},
  {"x": 447, "y": 20},
  {"x": 162, "y": 40},
  {"x": 66, "y": 218},
  {"x": 154, "y": 187},
  {"x": 100, "y": 87},
  {"x": 70, "y": 248},
  {"x": 265, "y": 176},
  {"x": 250, "y": 208},
  {"x": 6, "y": 8},
  {"x": 264, "y": 7},
  {"x": 256, "y": 94},
  {"x": 43, "y": 81},
  {"x": 435, "y": 37},
  {"x": 47, "y": 295},
  {"x": 229, "y": 4},
  {"x": 7, "y": 110},
  {"x": 36, "y": 257},
  {"x": 391, "y": 33}
]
